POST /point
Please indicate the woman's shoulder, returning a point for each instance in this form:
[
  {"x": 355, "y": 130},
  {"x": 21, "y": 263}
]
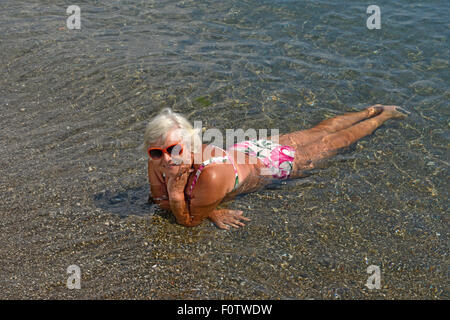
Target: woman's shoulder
[
  {"x": 209, "y": 155},
  {"x": 210, "y": 186}
]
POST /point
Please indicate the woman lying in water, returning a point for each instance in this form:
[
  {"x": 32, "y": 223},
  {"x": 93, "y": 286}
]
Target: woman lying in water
[{"x": 192, "y": 190}]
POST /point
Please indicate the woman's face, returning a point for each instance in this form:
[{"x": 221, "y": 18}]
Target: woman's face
[{"x": 169, "y": 164}]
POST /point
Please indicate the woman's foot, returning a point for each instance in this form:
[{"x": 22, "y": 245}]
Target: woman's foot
[{"x": 395, "y": 111}]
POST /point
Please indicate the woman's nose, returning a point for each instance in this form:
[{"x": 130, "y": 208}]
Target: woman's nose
[{"x": 166, "y": 157}]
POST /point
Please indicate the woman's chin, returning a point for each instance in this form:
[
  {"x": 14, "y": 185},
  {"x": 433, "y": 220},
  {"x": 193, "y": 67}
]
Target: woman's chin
[{"x": 171, "y": 170}]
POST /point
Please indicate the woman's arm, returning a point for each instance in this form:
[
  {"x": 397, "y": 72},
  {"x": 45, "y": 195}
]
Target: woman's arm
[
  {"x": 208, "y": 193},
  {"x": 185, "y": 213},
  {"x": 158, "y": 188},
  {"x": 188, "y": 215},
  {"x": 222, "y": 218}
]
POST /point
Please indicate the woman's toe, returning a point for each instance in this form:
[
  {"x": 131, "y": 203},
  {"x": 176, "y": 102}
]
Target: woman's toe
[{"x": 402, "y": 110}]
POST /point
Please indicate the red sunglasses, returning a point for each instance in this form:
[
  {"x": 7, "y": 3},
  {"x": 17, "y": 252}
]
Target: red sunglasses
[{"x": 157, "y": 153}]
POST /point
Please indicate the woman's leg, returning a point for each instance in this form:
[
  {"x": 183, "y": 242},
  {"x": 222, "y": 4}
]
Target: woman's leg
[
  {"x": 307, "y": 157},
  {"x": 304, "y": 137}
]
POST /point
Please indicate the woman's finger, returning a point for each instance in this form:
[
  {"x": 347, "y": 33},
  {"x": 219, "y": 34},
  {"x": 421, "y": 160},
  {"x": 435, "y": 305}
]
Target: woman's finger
[
  {"x": 221, "y": 225},
  {"x": 180, "y": 172},
  {"x": 224, "y": 226},
  {"x": 240, "y": 223},
  {"x": 240, "y": 216},
  {"x": 183, "y": 169},
  {"x": 231, "y": 223},
  {"x": 237, "y": 221}
]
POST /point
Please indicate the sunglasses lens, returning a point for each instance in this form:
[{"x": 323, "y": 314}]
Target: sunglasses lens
[
  {"x": 175, "y": 150},
  {"x": 155, "y": 153}
]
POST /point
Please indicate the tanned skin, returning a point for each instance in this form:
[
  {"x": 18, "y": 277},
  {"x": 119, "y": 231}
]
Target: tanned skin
[{"x": 169, "y": 183}]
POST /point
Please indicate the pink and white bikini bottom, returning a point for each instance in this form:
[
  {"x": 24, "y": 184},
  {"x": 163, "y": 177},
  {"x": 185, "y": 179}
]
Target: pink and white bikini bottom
[{"x": 278, "y": 159}]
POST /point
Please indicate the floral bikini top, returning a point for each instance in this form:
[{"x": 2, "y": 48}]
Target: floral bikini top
[{"x": 214, "y": 160}]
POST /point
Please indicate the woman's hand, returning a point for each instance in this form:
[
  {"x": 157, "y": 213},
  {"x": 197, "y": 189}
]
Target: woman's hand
[
  {"x": 224, "y": 218},
  {"x": 177, "y": 183}
]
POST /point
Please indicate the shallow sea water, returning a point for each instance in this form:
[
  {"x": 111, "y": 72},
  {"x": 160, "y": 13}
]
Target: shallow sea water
[{"x": 73, "y": 188}]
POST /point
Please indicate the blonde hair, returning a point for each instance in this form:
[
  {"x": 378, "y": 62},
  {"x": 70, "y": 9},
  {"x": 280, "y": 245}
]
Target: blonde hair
[{"x": 160, "y": 125}]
